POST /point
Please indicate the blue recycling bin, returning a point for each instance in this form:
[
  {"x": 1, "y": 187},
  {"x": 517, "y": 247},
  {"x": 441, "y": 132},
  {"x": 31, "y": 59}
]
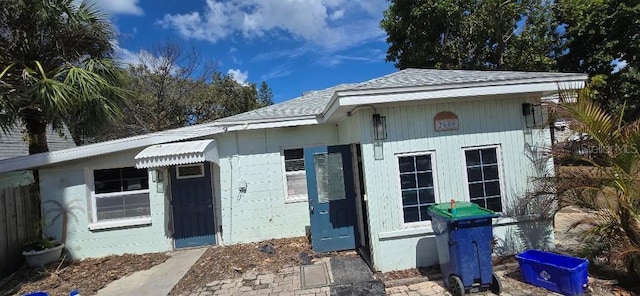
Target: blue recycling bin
[
  {"x": 463, "y": 240},
  {"x": 555, "y": 272}
]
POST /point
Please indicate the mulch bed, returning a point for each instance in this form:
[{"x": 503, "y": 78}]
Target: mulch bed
[
  {"x": 87, "y": 276},
  {"x": 227, "y": 262}
]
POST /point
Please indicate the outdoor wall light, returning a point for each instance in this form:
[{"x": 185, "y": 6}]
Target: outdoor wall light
[{"x": 379, "y": 127}]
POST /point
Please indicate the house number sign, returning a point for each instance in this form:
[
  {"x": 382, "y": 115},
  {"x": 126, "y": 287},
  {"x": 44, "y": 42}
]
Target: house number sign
[{"x": 446, "y": 121}]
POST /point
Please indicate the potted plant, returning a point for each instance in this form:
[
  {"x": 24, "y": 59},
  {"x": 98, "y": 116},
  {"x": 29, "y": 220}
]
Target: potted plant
[
  {"x": 46, "y": 249},
  {"x": 42, "y": 251}
]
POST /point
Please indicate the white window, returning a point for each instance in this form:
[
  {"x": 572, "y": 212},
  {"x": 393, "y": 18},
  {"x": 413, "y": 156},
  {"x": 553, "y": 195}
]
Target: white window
[
  {"x": 120, "y": 193},
  {"x": 417, "y": 186},
  {"x": 295, "y": 176},
  {"x": 483, "y": 177}
]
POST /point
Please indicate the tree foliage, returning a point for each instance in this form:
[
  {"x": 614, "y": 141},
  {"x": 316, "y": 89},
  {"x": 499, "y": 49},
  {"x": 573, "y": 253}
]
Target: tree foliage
[
  {"x": 174, "y": 86},
  {"x": 457, "y": 34},
  {"x": 598, "y": 35},
  {"x": 610, "y": 186},
  {"x": 55, "y": 68},
  {"x": 586, "y": 36}
]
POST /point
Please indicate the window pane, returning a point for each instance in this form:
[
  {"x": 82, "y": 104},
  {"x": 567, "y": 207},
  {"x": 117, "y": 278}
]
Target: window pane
[
  {"x": 427, "y": 196},
  {"x": 476, "y": 190},
  {"x": 406, "y": 164},
  {"x": 190, "y": 170},
  {"x": 408, "y": 181},
  {"x": 494, "y": 204},
  {"x": 489, "y": 156},
  {"x": 411, "y": 214},
  {"x": 424, "y": 213},
  {"x": 108, "y": 186},
  {"x": 294, "y": 165},
  {"x": 132, "y": 172},
  {"x": 479, "y": 202},
  {"x": 492, "y": 188},
  {"x": 123, "y": 206},
  {"x": 296, "y": 184},
  {"x": 472, "y": 157},
  {"x": 293, "y": 154},
  {"x": 106, "y": 175},
  {"x": 423, "y": 163},
  {"x": 330, "y": 177},
  {"x": 409, "y": 197},
  {"x": 135, "y": 184},
  {"x": 490, "y": 172},
  {"x": 475, "y": 174},
  {"x": 425, "y": 180}
]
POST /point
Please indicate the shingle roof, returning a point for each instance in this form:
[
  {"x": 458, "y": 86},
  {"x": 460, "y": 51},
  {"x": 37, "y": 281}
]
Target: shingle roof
[
  {"x": 309, "y": 104},
  {"x": 431, "y": 77},
  {"x": 12, "y": 144},
  {"x": 314, "y": 102}
]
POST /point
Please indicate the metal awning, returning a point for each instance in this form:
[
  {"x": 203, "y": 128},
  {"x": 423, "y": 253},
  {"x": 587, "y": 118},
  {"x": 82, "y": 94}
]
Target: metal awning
[{"x": 164, "y": 155}]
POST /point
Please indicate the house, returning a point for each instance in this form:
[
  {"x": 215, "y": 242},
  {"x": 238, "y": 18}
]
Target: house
[
  {"x": 356, "y": 165},
  {"x": 12, "y": 144}
]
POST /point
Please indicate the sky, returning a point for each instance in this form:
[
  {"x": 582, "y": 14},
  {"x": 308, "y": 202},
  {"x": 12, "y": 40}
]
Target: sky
[{"x": 294, "y": 45}]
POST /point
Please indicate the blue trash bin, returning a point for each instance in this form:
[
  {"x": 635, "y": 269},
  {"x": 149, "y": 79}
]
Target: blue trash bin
[{"x": 463, "y": 240}]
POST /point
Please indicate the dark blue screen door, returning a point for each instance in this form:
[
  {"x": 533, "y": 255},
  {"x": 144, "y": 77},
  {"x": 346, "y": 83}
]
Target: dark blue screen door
[
  {"x": 331, "y": 198},
  {"x": 192, "y": 202}
]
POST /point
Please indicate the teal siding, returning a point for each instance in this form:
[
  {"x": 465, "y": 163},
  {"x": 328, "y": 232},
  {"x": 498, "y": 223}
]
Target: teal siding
[
  {"x": 410, "y": 129},
  {"x": 254, "y": 159},
  {"x": 67, "y": 184}
]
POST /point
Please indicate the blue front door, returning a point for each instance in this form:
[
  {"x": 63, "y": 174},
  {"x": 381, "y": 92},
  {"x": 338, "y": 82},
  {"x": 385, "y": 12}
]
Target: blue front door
[
  {"x": 331, "y": 198},
  {"x": 192, "y": 202}
]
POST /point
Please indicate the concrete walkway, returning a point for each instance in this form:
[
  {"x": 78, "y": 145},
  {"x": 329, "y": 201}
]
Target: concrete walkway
[{"x": 158, "y": 280}]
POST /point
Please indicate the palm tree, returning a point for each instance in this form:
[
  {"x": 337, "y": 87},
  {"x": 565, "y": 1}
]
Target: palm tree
[
  {"x": 56, "y": 67},
  {"x": 611, "y": 186}
]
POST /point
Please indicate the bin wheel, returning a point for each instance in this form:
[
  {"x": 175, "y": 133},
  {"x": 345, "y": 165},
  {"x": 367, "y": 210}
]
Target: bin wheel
[
  {"x": 496, "y": 286},
  {"x": 456, "y": 286}
]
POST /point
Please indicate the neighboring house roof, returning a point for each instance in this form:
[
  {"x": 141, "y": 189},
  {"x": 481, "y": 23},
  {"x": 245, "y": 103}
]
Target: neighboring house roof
[
  {"x": 331, "y": 104},
  {"x": 14, "y": 144}
]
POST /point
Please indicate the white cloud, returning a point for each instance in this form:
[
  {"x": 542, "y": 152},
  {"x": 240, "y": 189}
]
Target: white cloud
[
  {"x": 120, "y": 7},
  {"x": 331, "y": 25},
  {"x": 336, "y": 15},
  {"x": 239, "y": 76}
]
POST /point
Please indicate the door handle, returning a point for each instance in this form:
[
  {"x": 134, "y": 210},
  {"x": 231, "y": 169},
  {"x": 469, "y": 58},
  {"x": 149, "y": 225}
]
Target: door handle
[
  {"x": 311, "y": 209},
  {"x": 210, "y": 205}
]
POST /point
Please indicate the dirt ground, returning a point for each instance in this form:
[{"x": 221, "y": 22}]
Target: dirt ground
[
  {"x": 87, "y": 276},
  {"x": 219, "y": 263}
]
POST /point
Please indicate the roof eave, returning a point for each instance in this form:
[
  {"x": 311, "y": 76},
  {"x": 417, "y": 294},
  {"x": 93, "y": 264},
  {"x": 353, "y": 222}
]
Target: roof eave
[
  {"x": 180, "y": 134},
  {"x": 354, "y": 98}
]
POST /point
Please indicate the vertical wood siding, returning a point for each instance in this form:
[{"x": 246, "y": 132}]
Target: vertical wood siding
[{"x": 410, "y": 129}]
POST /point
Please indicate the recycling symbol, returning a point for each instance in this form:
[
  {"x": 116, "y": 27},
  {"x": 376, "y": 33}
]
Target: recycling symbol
[{"x": 545, "y": 275}]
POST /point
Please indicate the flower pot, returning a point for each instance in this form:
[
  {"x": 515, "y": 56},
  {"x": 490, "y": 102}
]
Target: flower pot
[{"x": 38, "y": 258}]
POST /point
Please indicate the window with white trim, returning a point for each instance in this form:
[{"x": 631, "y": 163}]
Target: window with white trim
[
  {"x": 121, "y": 193},
  {"x": 417, "y": 186},
  {"x": 483, "y": 177},
  {"x": 295, "y": 175}
]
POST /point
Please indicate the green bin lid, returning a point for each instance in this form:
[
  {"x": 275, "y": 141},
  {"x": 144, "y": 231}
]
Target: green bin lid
[{"x": 464, "y": 210}]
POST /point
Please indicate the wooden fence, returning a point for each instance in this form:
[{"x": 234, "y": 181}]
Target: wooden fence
[{"x": 19, "y": 222}]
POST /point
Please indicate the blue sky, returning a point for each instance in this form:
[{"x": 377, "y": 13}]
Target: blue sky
[{"x": 293, "y": 45}]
